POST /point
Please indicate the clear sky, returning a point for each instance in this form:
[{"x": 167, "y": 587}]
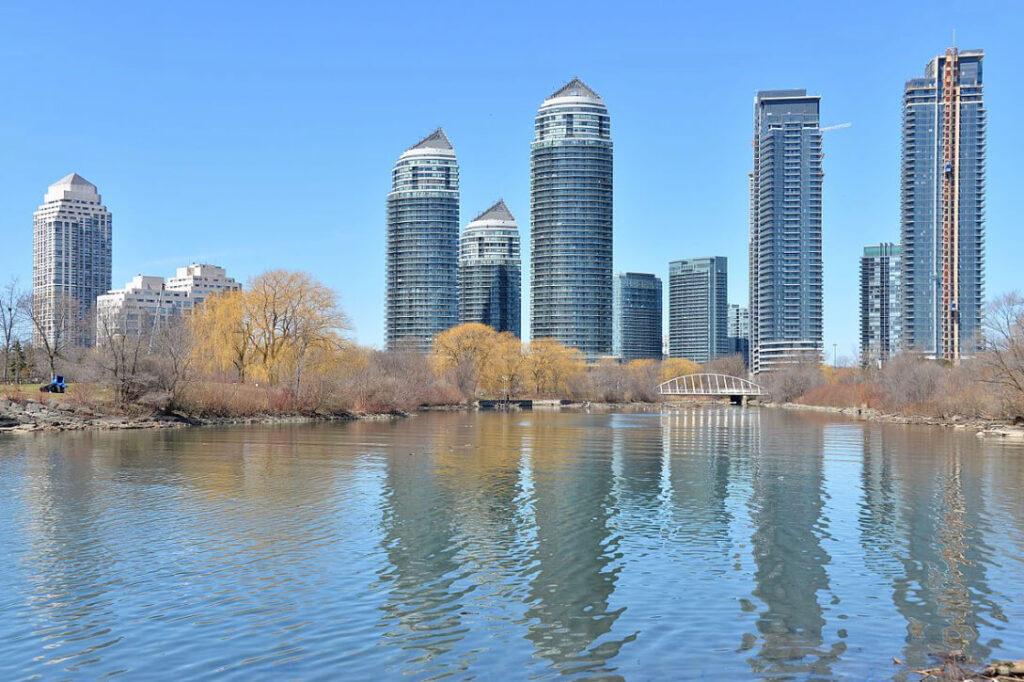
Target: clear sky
[{"x": 261, "y": 135}]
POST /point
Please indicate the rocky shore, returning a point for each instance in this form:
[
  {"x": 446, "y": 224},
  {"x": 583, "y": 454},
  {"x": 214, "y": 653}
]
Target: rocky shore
[
  {"x": 984, "y": 428},
  {"x": 31, "y": 416}
]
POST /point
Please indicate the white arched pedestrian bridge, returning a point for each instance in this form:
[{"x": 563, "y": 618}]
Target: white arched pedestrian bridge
[{"x": 711, "y": 385}]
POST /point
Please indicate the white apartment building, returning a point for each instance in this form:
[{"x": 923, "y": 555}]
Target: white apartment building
[
  {"x": 70, "y": 261},
  {"x": 148, "y": 302},
  {"x": 201, "y": 280}
]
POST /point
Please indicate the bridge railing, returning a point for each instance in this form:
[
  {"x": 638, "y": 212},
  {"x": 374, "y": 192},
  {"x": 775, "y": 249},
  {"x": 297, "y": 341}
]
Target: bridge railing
[{"x": 710, "y": 385}]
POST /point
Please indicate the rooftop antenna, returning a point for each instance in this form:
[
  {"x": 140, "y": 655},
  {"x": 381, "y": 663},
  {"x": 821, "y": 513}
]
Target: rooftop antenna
[{"x": 954, "y": 37}]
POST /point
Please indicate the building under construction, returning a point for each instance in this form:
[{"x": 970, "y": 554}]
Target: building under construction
[{"x": 943, "y": 207}]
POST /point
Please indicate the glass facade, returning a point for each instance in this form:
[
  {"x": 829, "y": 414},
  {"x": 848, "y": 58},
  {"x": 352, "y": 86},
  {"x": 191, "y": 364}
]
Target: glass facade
[
  {"x": 942, "y": 207},
  {"x": 785, "y": 230},
  {"x": 490, "y": 271},
  {"x": 571, "y": 221},
  {"x": 879, "y": 303},
  {"x": 422, "y": 244},
  {"x": 698, "y": 309},
  {"x": 636, "y": 317},
  {"x": 739, "y": 331}
]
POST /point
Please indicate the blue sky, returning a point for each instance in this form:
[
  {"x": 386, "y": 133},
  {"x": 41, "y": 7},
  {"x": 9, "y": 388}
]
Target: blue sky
[{"x": 261, "y": 135}]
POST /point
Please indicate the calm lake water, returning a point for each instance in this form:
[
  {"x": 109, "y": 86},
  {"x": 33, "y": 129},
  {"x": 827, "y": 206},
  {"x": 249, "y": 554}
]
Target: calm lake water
[{"x": 721, "y": 543}]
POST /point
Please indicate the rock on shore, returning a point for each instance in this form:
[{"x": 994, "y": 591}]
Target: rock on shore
[
  {"x": 984, "y": 428},
  {"x": 33, "y": 416}
]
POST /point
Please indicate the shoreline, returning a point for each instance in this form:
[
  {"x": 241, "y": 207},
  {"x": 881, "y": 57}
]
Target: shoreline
[
  {"x": 983, "y": 428},
  {"x": 33, "y": 416}
]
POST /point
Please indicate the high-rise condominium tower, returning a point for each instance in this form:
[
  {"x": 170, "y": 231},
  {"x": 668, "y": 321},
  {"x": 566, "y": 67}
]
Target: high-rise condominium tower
[
  {"x": 423, "y": 244},
  {"x": 739, "y": 331},
  {"x": 880, "y": 294},
  {"x": 698, "y": 309},
  {"x": 943, "y": 207},
  {"x": 785, "y": 230},
  {"x": 571, "y": 221},
  {"x": 636, "y": 323},
  {"x": 490, "y": 277},
  {"x": 70, "y": 262}
]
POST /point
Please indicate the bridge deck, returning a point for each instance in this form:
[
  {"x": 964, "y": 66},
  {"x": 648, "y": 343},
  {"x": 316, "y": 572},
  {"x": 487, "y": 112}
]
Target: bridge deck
[{"x": 717, "y": 385}]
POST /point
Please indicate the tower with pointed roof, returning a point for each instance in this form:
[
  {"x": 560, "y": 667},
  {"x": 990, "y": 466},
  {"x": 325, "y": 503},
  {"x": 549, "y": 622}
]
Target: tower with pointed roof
[
  {"x": 70, "y": 262},
  {"x": 422, "y": 244},
  {"x": 490, "y": 271},
  {"x": 571, "y": 221}
]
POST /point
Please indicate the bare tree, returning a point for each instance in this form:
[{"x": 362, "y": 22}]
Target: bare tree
[
  {"x": 10, "y": 317},
  {"x": 172, "y": 355},
  {"x": 1003, "y": 357},
  {"x": 55, "y": 342},
  {"x": 731, "y": 365},
  {"x": 120, "y": 353},
  {"x": 911, "y": 380},
  {"x": 791, "y": 381}
]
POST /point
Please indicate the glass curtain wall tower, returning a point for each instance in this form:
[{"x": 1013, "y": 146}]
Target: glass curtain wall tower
[
  {"x": 943, "y": 207},
  {"x": 879, "y": 303},
  {"x": 571, "y": 221},
  {"x": 70, "y": 262},
  {"x": 490, "y": 271},
  {"x": 698, "y": 309},
  {"x": 739, "y": 331},
  {"x": 636, "y": 325},
  {"x": 785, "y": 230},
  {"x": 423, "y": 244}
]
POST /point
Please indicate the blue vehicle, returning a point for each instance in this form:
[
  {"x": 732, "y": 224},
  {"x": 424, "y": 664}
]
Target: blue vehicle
[{"x": 57, "y": 385}]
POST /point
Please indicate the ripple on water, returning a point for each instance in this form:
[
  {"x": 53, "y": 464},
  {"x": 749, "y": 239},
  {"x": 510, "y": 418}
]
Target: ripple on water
[{"x": 713, "y": 542}]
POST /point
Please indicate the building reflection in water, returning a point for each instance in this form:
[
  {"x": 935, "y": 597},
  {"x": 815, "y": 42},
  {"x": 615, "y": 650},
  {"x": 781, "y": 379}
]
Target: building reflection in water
[
  {"x": 705, "y": 461},
  {"x": 576, "y": 555},
  {"x": 941, "y": 544},
  {"x": 229, "y": 529},
  {"x": 457, "y": 545},
  {"x": 786, "y": 511},
  {"x": 424, "y": 578}
]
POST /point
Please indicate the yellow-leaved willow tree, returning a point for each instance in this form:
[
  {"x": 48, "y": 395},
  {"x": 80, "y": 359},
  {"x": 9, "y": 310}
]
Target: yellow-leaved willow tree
[
  {"x": 473, "y": 356},
  {"x": 283, "y": 326},
  {"x": 462, "y": 354},
  {"x": 550, "y": 366}
]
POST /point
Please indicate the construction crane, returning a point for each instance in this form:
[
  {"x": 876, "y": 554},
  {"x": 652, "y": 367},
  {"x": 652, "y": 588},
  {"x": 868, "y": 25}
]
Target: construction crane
[{"x": 838, "y": 126}]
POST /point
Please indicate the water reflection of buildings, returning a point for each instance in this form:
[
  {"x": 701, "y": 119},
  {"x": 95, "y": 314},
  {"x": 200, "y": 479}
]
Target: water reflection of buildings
[
  {"x": 706, "y": 464},
  {"x": 424, "y": 578},
  {"x": 464, "y": 542},
  {"x": 942, "y": 590},
  {"x": 519, "y": 517},
  {"x": 576, "y": 553},
  {"x": 223, "y": 529},
  {"x": 786, "y": 511}
]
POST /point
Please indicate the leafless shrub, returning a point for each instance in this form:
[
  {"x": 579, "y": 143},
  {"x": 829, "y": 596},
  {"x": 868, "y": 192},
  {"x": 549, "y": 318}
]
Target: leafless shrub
[
  {"x": 171, "y": 358},
  {"x": 393, "y": 381},
  {"x": 911, "y": 381},
  {"x": 1003, "y": 357},
  {"x": 730, "y": 365},
  {"x": 962, "y": 392},
  {"x": 644, "y": 377},
  {"x": 605, "y": 382},
  {"x": 790, "y": 382}
]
